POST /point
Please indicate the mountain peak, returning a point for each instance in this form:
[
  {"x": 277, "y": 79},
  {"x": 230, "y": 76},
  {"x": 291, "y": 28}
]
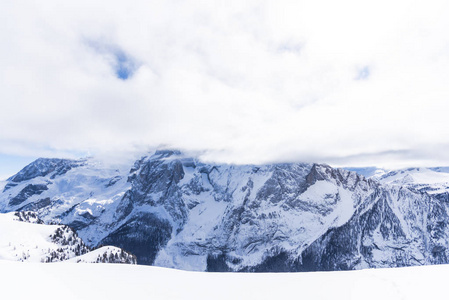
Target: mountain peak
[{"x": 45, "y": 166}]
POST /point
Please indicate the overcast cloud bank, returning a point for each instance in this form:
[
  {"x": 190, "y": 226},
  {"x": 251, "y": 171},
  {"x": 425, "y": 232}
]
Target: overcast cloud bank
[{"x": 346, "y": 83}]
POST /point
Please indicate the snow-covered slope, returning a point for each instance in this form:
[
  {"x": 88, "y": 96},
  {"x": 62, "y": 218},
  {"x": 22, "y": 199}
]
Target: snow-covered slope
[
  {"x": 105, "y": 254},
  {"x": 175, "y": 211},
  {"x": 109, "y": 281},
  {"x": 24, "y": 237},
  {"x": 23, "y": 241}
]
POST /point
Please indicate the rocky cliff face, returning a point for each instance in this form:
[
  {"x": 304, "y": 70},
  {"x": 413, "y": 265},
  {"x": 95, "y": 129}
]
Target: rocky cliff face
[{"x": 175, "y": 211}]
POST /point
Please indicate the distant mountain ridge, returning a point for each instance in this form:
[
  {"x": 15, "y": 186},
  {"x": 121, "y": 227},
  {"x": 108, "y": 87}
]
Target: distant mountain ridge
[
  {"x": 434, "y": 181},
  {"x": 175, "y": 211}
]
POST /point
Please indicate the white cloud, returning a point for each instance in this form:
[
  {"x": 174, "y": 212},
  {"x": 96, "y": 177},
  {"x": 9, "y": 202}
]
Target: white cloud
[{"x": 247, "y": 81}]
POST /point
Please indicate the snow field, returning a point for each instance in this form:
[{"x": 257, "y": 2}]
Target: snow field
[{"x": 110, "y": 281}]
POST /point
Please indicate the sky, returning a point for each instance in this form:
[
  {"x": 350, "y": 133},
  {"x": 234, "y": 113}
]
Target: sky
[{"x": 348, "y": 83}]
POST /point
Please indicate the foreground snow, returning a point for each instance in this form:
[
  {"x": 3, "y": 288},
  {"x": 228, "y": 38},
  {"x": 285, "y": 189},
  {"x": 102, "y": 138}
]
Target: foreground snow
[
  {"x": 111, "y": 281},
  {"x": 33, "y": 242},
  {"x": 24, "y": 237}
]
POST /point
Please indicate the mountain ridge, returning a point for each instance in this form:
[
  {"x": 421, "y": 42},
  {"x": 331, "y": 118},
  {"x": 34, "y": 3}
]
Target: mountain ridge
[{"x": 175, "y": 211}]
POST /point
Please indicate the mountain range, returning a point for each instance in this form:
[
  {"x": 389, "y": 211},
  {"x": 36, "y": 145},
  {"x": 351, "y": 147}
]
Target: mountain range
[{"x": 173, "y": 210}]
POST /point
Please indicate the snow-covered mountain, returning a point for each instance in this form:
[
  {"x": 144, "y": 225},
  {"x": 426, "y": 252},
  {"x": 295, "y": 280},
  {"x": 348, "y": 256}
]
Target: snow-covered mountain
[
  {"x": 175, "y": 211},
  {"x": 25, "y": 238},
  {"x": 434, "y": 181},
  {"x": 431, "y": 180}
]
